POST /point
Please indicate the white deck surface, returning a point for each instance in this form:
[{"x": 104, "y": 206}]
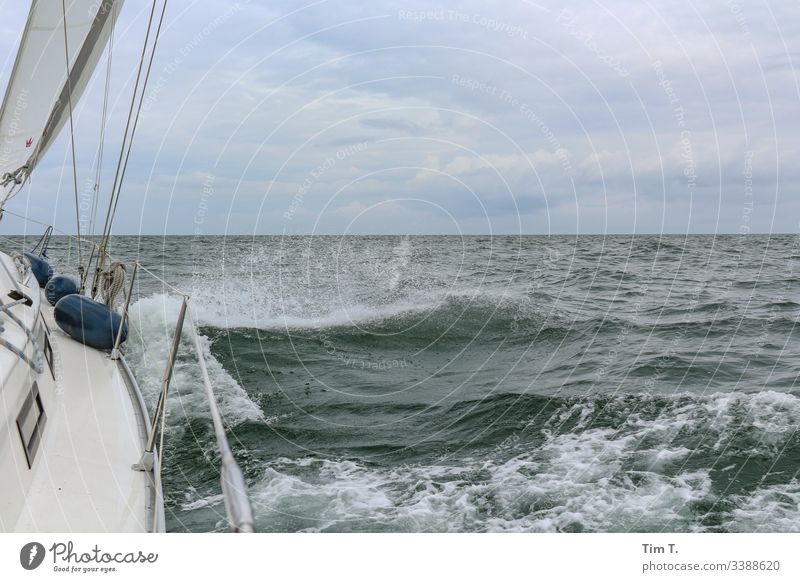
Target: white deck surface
[{"x": 83, "y": 481}]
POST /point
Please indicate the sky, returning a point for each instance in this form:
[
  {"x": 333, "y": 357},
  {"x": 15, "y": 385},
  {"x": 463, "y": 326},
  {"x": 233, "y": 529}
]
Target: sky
[{"x": 473, "y": 117}]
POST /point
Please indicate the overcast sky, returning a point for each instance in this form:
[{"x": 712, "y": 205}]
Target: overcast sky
[{"x": 445, "y": 117}]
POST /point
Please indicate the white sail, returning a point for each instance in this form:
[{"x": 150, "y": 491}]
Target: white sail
[{"x": 37, "y": 99}]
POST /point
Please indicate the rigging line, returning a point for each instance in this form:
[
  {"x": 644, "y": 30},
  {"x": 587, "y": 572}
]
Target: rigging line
[
  {"x": 84, "y": 241},
  {"x": 103, "y": 121},
  {"x": 106, "y": 225},
  {"x": 72, "y": 134},
  {"x": 93, "y": 245},
  {"x": 100, "y": 262},
  {"x": 162, "y": 281},
  {"x": 24, "y": 217},
  {"x": 139, "y": 108}
]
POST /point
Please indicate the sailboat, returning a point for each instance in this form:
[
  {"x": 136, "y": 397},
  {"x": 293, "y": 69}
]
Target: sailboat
[{"x": 79, "y": 451}]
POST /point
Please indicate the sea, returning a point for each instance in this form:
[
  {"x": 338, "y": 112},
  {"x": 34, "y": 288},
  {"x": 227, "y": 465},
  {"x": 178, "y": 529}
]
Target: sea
[{"x": 477, "y": 383}]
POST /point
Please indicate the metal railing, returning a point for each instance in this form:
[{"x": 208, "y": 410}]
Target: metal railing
[
  {"x": 43, "y": 243},
  {"x": 234, "y": 488}
]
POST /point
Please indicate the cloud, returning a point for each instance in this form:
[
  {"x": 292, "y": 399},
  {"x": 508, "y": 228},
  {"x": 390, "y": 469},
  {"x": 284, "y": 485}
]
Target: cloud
[{"x": 500, "y": 116}]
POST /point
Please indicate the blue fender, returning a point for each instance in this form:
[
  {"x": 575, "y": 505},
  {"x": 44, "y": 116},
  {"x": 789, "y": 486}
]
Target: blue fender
[
  {"x": 89, "y": 322},
  {"x": 40, "y": 268},
  {"x": 61, "y": 286}
]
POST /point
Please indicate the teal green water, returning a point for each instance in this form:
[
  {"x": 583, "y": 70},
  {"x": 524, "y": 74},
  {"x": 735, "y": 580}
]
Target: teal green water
[{"x": 482, "y": 383}]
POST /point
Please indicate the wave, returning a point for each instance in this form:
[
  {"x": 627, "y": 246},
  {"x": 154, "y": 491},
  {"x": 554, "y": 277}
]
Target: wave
[
  {"x": 429, "y": 314},
  {"x": 544, "y": 384},
  {"x": 768, "y": 509},
  {"x": 152, "y": 322},
  {"x": 720, "y": 462}
]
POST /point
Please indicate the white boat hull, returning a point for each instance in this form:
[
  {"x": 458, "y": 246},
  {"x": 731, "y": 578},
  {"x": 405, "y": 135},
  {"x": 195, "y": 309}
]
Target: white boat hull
[{"x": 78, "y": 476}]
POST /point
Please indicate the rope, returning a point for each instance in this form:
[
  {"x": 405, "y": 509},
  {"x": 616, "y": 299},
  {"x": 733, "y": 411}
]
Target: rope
[
  {"x": 72, "y": 133},
  {"x": 139, "y": 108},
  {"x": 57, "y": 230},
  {"x": 17, "y": 184},
  {"x": 162, "y": 281},
  {"x": 113, "y": 283},
  {"x": 36, "y": 363},
  {"x": 22, "y": 264},
  {"x": 115, "y": 188},
  {"x": 36, "y": 366}
]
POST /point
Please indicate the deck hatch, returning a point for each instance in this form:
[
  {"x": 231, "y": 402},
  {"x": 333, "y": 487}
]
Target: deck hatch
[{"x": 30, "y": 423}]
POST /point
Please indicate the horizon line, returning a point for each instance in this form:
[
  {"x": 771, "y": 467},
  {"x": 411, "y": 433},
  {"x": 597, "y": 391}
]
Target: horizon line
[{"x": 504, "y": 234}]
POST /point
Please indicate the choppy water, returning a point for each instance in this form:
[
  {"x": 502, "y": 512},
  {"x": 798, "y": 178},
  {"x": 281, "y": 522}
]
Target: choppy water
[{"x": 483, "y": 383}]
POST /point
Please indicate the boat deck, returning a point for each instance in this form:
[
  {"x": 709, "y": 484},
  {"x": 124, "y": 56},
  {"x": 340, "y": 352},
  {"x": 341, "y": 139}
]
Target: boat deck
[{"x": 83, "y": 481}]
